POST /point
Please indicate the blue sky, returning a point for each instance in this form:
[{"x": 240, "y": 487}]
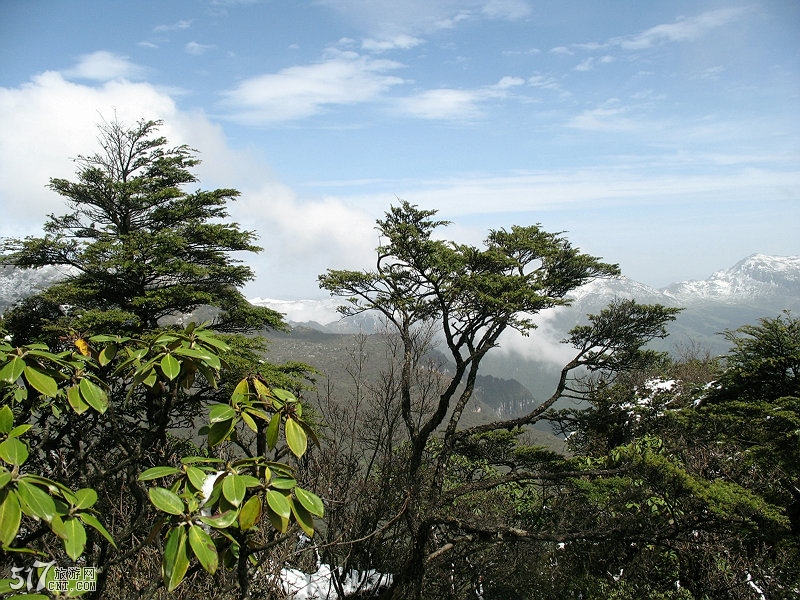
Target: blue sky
[{"x": 664, "y": 135}]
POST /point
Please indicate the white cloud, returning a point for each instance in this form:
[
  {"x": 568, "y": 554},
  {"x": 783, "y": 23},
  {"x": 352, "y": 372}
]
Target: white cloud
[
  {"x": 608, "y": 187},
  {"x": 196, "y": 48},
  {"x": 302, "y": 238},
  {"x": 397, "y": 42},
  {"x": 49, "y": 120},
  {"x": 104, "y": 66},
  {"x": 383, "y": 19},
  {"x": 297, "y": 92},
  {"x": 442, "y": 104},
  {"x": 608, "y": 118},
  {"x": 685, "y": 29},
  {"x": 455, "y": 104},
  {"x": 590, "y": 62},
  {"x": 561, "y": 50},
  {"x": 182, "y": 24}
]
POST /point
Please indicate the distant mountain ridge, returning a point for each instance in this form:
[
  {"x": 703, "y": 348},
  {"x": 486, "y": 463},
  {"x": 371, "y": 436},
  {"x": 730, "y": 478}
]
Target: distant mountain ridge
[
  {"x": 771, "y": 283},
  {"x": 757, "y": 286},
  {"x": 757, "y": 277},
  {"x": 523, "y": 370}
]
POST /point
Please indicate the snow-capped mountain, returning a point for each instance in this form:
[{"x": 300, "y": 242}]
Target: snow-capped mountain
[
  {"x": 759, "y": 282},
  {"x": 755, "y": 278},
  {"x": 17, "y": 284},
  {"x": 757, "y": 286}
]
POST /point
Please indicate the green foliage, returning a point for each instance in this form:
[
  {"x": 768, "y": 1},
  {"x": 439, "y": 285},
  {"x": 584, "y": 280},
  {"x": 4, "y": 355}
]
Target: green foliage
[
  {"x": 764, "y": 360},
  {"x": 230, "y": 498},
  {"x": 137, "y": 245},
  {"x": 65, "y": 511},
  {"x": 210, "y": 505},
  {"x": 704, "y": 469},
  {"x": 465, "y": 483}
]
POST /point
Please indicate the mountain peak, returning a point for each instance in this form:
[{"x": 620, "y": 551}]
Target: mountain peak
[{"x": 751, "y": 279}]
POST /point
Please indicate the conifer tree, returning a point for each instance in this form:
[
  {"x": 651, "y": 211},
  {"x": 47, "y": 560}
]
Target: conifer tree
[{"x": 136, "y": 245}]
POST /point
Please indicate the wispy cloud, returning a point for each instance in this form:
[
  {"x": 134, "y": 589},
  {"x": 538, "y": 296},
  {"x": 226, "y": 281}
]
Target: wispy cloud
[
  {"x": 196, "y": 49},
  {"x": 344, "y": 78},
  {"x": 455, "y": 104},
  {"x": 383, "y": 19},
  {"x": 590, "y": 63},
  {"x": 182, "y": 24},
  {"x": 397, "y": 42},
  {"x": 606, "y": 119},
  {"x": 684, "y": 29},
  {"x": 104, "y": 66}
]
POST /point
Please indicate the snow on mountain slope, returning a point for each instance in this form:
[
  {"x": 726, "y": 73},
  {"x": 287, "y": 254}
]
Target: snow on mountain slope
[
  {"x": 16, "y": 284},
  {"x": 754, "y": 278}
]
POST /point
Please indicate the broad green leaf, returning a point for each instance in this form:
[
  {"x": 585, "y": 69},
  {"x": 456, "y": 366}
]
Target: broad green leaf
[
  {"x": 221, "y": 412},
  {"x": 75, "y": 541},
  {"x": 21, "y": 394},
  {"x": 279, "y": 503},
  {"x": 197, "y": 477},
  {"x": 5, "y": 477},
  {"x": 204, "y": 356},
  {"x": 94, "y": 395},
  {"x": 6, "y": 419},
  {"x": 203, "y": 548},
  {"x": 176, "y": 558},
  {"x": 107, "y": 354},
  {"x": 76, "y": 401},
  {"x": 86, "y": 498},
  {"x": 278, "y": 522},
  {"x": 57, "y": 527},
  {"x": 12, "y": 370},
  {"x": 209, "y": 338},
  {"x": 10, "y": 516},
  {"x": 19, "y": 430},
  {"x": 41, "y": 382},
  {"x": 310, "y": 501},
  {"x": 157, "y": 472},
  {"x": 219, "y": 432},
  {"x": 249, "y": 422},
  {"x": 208, "y": 374},
  {"x": 234, "y": 489},
  {"x": 221, "y": 520},
  {"x": 273, "y": 429},
  {"x": 283, "y": 483},
  {"x": 284, "y": 395},
  {"x": 151, "y": 378},
  {"x": 13, "y": 451},
  {"x": 261, "y": 389},
  {"x": 241, "y": 392},
  {"x": 166, "y": 500},
  {"x": 282, "y": 469},
  {"x": 170, "y": 367},
  {"x": 146, "y": 375},
  {"x": 250, "y": 513},
  {"x": 303, "y": 517},
  {"x": 35, "y": 501},
  {"x": 250, "y": 481},
  {"x": 257, "y": 412},
  {"x": 93, "y": 522},
  {"x": 296, "y": 437}
]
